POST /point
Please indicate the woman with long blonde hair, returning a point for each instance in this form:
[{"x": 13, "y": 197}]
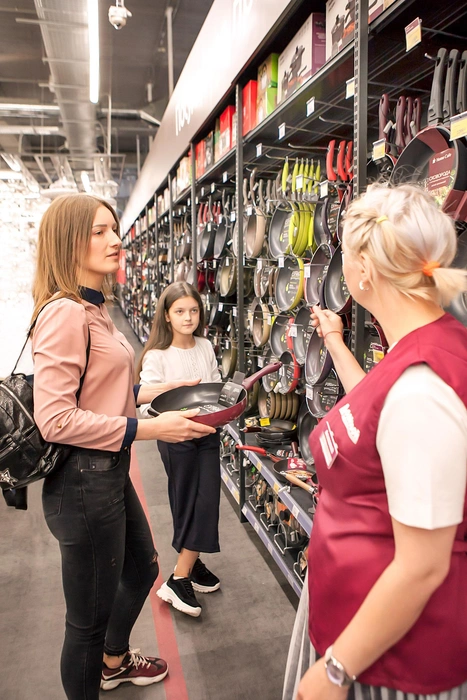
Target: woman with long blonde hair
[{"x": 109, "y": 563}]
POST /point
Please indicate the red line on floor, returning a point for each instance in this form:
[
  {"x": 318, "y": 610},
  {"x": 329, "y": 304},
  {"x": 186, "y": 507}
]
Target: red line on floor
[{"x": 174, "y": 684}]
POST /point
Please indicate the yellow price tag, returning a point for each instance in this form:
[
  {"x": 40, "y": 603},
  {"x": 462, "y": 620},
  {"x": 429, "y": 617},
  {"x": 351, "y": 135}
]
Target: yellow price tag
[
  {"x": 264, "y": 421},
  {"x": 236, "y": 495},
  {"x": 276, "y": 487},
  {"x": 258, "y": 466},
  {"x": 378, "y": 355},
  {"x": 413, "y": 34},
  {"x": 379, "y": 149},
  {"x": 459, "y": 126}
]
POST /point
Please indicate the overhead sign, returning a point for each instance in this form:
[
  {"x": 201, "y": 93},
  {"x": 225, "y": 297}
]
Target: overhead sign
[{"x": 231, "y": 33}]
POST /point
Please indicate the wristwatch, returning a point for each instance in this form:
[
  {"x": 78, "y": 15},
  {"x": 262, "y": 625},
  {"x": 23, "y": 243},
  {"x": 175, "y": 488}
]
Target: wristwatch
[{"x": 336, "y": 672}]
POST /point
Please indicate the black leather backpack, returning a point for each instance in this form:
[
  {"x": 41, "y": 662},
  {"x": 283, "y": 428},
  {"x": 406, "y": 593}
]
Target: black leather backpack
[{"x": 25, "y": 456}]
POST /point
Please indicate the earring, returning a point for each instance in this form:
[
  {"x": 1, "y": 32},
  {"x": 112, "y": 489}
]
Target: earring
[{"x": 362, "y": 288}]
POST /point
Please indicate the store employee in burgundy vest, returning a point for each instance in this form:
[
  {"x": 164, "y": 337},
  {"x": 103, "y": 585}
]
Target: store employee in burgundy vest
[{"x": 388, "y": 551}]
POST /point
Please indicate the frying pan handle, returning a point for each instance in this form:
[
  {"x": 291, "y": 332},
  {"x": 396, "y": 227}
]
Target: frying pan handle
[
  {"x": 330, "y": 174},
  {"x": 252, "y": 185},
  {"x": 461, "y": 101},
  {"x": 416, "y": 116},
  {"x": 383, "y": 114},
  {"x": 340, "y": 161},
  {"x": 349, "y": 160},
  {"x": 251, "y": 448},
  {"x": 449, "y": 103},
  {"x": 245, "y": 192},
  {"x": 435, "y": 108},
  {"x": 400, "y": 116},
  {"x": 297, "y": 482},
  {"x": 269, "y": 369},
  {"x": 408, "y": 121}
]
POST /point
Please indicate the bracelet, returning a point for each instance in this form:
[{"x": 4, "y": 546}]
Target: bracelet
[{"x": 324, "y": 336}]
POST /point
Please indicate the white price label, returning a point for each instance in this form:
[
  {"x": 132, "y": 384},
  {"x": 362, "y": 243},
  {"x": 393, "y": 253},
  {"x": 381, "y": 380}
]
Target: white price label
[
  {"x": 189, "y": 203},
  {"x": 234, "y": 311},
  {"x": 213, "y": 187},
  {"x": 413, "y": 34},
  {"x": 227, "y": 262},
  {"x": 227, "y": 344},
  {"x": 299, "y": 182},
  {"x": 260, "y": 362},
  {"x": 232, "y": 216},
  {"x": 459, "y": 126},
  {"x": 324, "y": 189},
  {"x": 295, "y": 511},
  {"x": 379, "y": 149},
  {"x": 179, "y": 212},
  {"x": 282, "y": 130},
  {"x": 307, "y": 270},
  {"x": 310, "y": 107},
  {"x": 209, "y": 227},
  {"x": 259, "y": 150},
  {"x": 280, "y": 261},
  {"x": 349, "y": 88},
  {"x": 220, "y": 306},
  {"x": 225, "y": 176},
  {"x": 269, "y": 318},
  {"x": 282, "y": 371},
  {"x": 197, "y": 200},
  {"x": 202, "y": 192},
  {"x": 249, "y": 210},
  {"x": 219, "y": 219},
  {"x": 256, "y": 526},
  {"x": 309, "y": 392},
  {"x": 214, "y": 264},
  {"x": 293, "y": 331}
]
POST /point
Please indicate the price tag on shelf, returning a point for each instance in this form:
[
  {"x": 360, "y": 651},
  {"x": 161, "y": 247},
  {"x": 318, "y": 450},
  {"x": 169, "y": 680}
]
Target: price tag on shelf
[
  {"x": 282, "y": 130},
  {"x": 179, "y": 212},
  {"x": 459, "y": 126},
  {"x": 214, "y": 264},
  {"x": 259, "y": 150},
  {"x": 293, "y": 330},
  {"x": 249, "y": 210},
  {"x": 323, "y": 189},
  {"x": 219, "y": 218},
  {"x": 299, "y": 182},
  {"x": 258, "y": 465},
  {"x": 202, "y": 192},
  {"x": 256, "y": 526},
  {"x": 295, "y": 511},
  {"x": 213, "y": 187},
  {"x": 220, "y": 306},
  {"x": 234, "y": 311},
  {"x": 224, "y": 476},
  {"x": 236, "y": 495},
  {"x": 264, "y": 422},
  {"x": 307, "y": 270},
  {"x": 209, "y": 227},
  {"x": 259, "y": 264},
  {"x": 276, "y": 488},
  {"x": 379, "y": 149},
  {"x": 310, "y": 107},
  {"x": 270, "y": 547},
  {"x": 260, "y": 362},
  {"x": 269, "y": 318},
  {"x": 227, "y": 344},
  {"x": 227, "y": 262},
  {"x": 232, "y": 216},
  {"x": 280, "y": 261},
  {"x": 197, "y": 200},
  {"x": 413, "y": 34},
  {"x": 309, "y": 392},
  {"x": 225, "y": 176},
  {"x": 349, "y": 88}
]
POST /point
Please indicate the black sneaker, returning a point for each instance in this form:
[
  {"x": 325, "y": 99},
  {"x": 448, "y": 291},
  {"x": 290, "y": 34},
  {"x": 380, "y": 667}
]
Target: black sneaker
[
  {"x": 203, "y": 580},
  {"x": 179, "y": 593}
]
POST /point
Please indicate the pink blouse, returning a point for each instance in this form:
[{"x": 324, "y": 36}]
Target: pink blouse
[{"x": 107, "y": 400}]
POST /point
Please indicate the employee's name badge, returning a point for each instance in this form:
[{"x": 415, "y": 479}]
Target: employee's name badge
[{"x": 328, "y": 446}]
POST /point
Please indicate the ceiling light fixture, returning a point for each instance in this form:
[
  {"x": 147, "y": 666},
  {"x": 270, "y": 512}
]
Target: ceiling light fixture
[{"x": 94, "y": 69}]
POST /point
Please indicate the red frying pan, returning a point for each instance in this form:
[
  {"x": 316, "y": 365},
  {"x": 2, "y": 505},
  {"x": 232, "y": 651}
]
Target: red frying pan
[
  {"x": 218, "y": 403},
  {"x": 281, "y": 465}
]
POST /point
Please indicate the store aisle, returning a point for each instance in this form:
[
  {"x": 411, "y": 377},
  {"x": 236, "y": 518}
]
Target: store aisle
[{"x": 236, "y": 650}]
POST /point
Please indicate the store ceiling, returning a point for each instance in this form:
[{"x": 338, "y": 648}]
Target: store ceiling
[{"x": 131, "y": 58}]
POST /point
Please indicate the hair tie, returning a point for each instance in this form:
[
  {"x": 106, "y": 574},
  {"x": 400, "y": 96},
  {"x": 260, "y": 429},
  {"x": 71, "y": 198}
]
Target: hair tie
[
  {"x": 380, "y": 219},
  {"x": 428, "y": 267}
]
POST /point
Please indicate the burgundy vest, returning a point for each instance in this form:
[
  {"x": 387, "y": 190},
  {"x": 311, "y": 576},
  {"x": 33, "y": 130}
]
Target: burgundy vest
[{"x": 352, "y": 540}]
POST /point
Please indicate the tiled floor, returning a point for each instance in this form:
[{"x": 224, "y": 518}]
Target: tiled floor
[{"x": 236, "y": 650}]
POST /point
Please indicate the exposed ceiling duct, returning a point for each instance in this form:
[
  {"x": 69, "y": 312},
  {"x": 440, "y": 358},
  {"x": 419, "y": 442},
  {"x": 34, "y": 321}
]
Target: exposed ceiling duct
[{"x": 67, "y": 54}]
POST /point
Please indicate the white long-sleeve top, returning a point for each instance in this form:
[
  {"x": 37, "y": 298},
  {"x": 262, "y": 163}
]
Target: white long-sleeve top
[{"x": 174, "y": 363}]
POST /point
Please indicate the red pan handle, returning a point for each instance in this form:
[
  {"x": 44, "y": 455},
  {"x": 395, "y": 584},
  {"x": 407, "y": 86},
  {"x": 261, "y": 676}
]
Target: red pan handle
[
  {"x": 416, "y": 116},
  {"x": 200, "y": 213},
  {"x": 349, "y": 160},
  {"x": 252, "y": 448},
  {"x": 330, "y": 172},
  {"x": 269, "y": 369},
  {"x": 340, "y": 161},
  {"x": 400, "y": 115},
  {"x": 383, "y": 115},
  {"x": 408, "y": 121}
]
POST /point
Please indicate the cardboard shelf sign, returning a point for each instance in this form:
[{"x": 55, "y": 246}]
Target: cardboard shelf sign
[{"x": 232, "y": 32}]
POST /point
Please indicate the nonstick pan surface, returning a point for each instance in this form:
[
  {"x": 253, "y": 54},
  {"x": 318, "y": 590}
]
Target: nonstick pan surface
[
  {"x": 336, "y": 293},
  {"x": 318, "y": 269}
]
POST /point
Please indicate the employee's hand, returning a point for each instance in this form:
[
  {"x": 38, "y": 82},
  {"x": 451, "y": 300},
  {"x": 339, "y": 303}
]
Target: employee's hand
[
  {"x": 315, "y": 685},
  {"x": 327, "y": 322},
  {"x": 172, "y": 426}
]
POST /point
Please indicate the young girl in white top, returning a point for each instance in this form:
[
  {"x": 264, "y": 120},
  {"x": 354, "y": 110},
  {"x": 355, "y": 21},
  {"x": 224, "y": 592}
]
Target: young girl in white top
[{"x": 176, "y": 349}]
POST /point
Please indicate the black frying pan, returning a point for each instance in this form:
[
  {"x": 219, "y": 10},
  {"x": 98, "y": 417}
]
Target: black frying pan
[
  {"x": 218, "y": 403},
  {"x": 336, "y": 294}
]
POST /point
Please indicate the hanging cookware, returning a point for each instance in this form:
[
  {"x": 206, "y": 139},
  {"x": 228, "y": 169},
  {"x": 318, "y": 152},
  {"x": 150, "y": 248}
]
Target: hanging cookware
[
  {"x": 322, "y": 397},
  {"x": 281, "y": 465},
  {"x": 279, "y": 329},
  {"x": 271, "y": 379},
  {"x": 306, "y": 424},
  {"x": 219, "y": 315},
  {"x": 318, "y": 269},
  {"x": 218, "y": 403},
  {"x": 458, "y": 307},
  {"x": 260, "y": 326},
  {"x": 318, "y": 361},
  {"x": 290, "y": 373},
  {"x": 300, "y": 333},
  {"x": 229, "y": 361},
  {"x": 266, "y": 403},
  {"x": 374, "y": 346},
  {"x": 255, "y": 226},
  {"x": 289, "y": 284},
  {"x": 336, "y": 293},
  {"x": 223, "y": 229},
  {"x": 228, "y": 276}
]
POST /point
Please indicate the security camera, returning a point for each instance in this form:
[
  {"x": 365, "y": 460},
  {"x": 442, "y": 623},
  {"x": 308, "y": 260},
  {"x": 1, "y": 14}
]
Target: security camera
[{"x": 118, "y": 14}]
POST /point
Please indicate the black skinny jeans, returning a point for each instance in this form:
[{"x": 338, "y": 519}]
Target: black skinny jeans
[{"x": 109, "y": 563}]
